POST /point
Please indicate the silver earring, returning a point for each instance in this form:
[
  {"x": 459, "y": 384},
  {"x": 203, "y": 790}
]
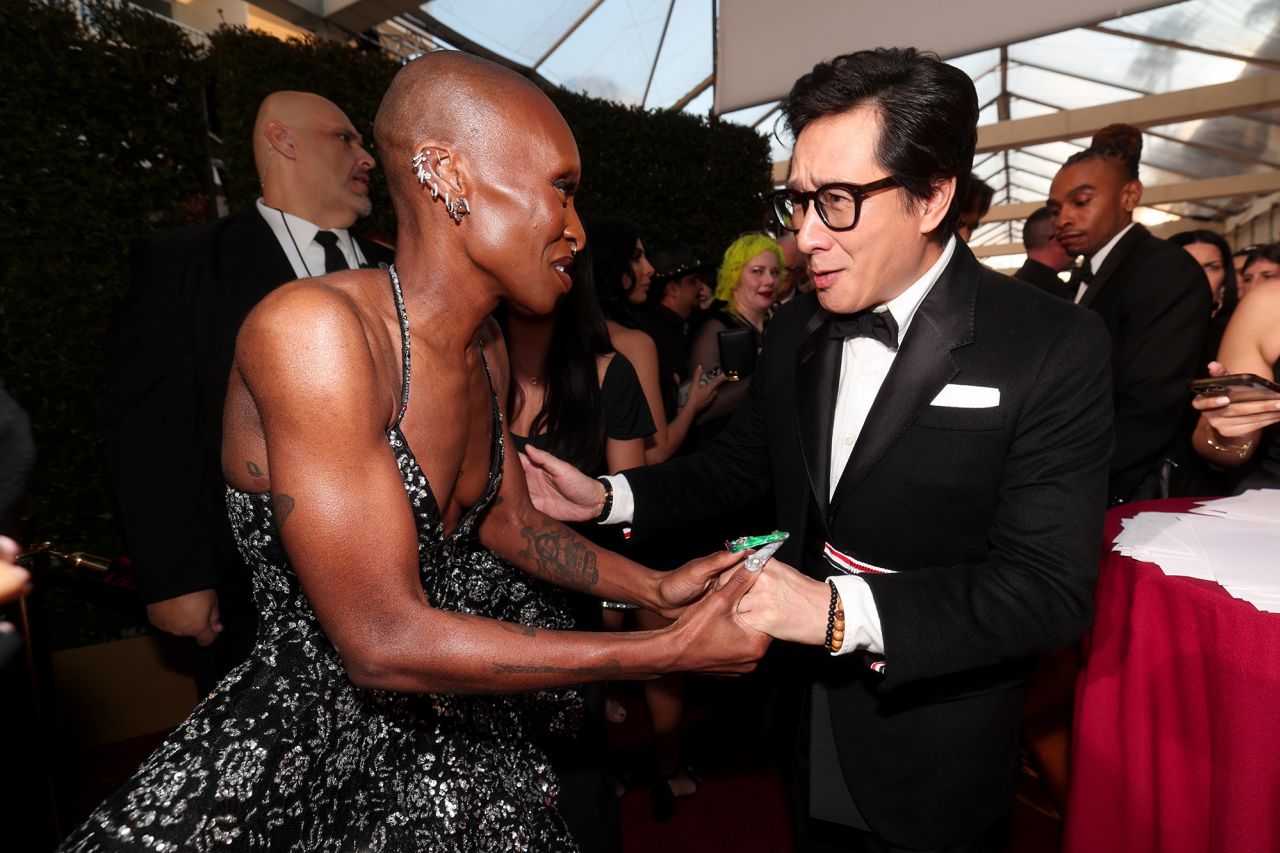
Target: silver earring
[
  {"x": 419, "y": 167},
  {"x": 458, "y": 208}
]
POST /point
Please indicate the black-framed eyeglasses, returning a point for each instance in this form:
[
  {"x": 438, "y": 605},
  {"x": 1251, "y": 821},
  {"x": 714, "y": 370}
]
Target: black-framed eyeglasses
[{"x": 839, "y": 205}]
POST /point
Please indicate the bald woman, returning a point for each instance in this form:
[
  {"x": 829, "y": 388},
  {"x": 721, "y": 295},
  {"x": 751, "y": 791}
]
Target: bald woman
[{"x": 402, "y": 673}]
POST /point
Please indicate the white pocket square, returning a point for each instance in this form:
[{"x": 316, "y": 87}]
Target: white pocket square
[{"x": 967, "y": 397}]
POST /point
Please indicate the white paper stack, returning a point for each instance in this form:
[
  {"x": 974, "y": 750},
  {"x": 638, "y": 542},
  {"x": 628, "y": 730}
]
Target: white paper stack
[{"x": 1234, "y": 541}]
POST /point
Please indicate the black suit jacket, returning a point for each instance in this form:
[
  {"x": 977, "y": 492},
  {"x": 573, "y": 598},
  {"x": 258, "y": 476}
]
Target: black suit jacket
[
  {"x": 1154, "y": 299},
  {"x": 169, "y": 353},
  {"x": 1046, "y": 279},
  {"x": 991, "y": 517}
]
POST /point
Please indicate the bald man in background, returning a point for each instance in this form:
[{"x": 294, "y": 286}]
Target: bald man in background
[
  {"x": 169, "y": 353},
  {"x": 1045, "y": 256}
]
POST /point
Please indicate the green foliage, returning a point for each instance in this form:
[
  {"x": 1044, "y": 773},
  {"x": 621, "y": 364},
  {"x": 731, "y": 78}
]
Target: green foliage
[
  {"x": 104, "y": 138},
  {"x": 682, "y": 178}
]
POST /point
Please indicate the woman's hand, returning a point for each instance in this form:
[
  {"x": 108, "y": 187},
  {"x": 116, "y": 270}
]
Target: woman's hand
[
  {"x": 1234, "y": 420},
  {"x": 702, "y": 395}
]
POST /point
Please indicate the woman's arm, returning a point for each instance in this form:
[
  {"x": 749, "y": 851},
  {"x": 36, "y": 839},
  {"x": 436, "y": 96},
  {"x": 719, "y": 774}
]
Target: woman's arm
[
  {"x": 305, "y": 370},
  {"x": 1227, "y": 433}
]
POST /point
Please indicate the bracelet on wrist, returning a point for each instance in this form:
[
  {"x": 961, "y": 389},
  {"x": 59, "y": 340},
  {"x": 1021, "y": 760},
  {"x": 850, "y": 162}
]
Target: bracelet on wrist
[
  {"x": 607, "y": 507},
  {"x": 1240, "y": 451},
  {"x": 835, "y": 622}
]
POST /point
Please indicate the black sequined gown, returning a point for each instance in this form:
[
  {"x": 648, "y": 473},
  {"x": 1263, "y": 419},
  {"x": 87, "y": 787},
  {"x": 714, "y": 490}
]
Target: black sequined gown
[{"x": 287, "y": 754}]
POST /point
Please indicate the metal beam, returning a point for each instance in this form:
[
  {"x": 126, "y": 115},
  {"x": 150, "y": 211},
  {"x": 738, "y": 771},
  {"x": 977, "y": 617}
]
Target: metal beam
[
  {"x": 1178, "y": 45},
  {"x": 1259, "y": 183},
  {"x": 695, "y": 92},
  {"x": 1244, "y": 95},
  {"x": 565, "y": 35},
  {"x": 653, "y": 69}
]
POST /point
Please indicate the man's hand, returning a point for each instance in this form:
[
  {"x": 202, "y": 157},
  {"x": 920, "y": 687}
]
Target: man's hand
[
  {"x": 559, "y": 490},
  {"x": 787, "y": 605},
  {"x": 712, "y": 637},
  {"x": 1232, "y": 420},
  {"x": 687, "y": 584},
  {"x": 192, "y": 615}
]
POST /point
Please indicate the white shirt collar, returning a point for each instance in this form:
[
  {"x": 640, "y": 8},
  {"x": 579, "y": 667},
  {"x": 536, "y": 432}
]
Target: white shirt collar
[
  {"x": 1095, "y": 262},
  {"x": 903, "y": 307},
  {"x": 297, "y": 236}
]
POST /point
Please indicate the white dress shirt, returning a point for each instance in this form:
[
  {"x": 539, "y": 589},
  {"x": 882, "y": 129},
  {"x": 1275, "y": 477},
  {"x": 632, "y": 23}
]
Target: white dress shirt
[
  {"x": 864, "y": 363},
  {"x": 297, "y": 237},
  {"x": 1095, "y": 262}
]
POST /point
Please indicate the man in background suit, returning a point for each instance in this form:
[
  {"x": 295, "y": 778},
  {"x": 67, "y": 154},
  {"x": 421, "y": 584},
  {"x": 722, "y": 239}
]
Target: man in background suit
[
  {"x": 1151, "y": 294},
  {"x": 1045, "y": 256},
  {"x": 169, "y": 353},
  {"x": 937, "y": 438}
]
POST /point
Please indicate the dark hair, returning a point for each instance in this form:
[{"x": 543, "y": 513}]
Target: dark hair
[
  {"x": 572, "y": 415},
  {"x": 1121, "y": 143},
  {"x": 613, "y": 243},
  {"x": 1037, "y": 231},
  {"x": 928, "y": 113},
  {"x": 1265, "y": 252},
  {"x": 1230, "y": 290},
  {"x": 977, "y": 196}
]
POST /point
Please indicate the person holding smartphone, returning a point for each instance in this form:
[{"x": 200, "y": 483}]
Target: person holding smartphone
[{"x": 1231, "y": 434}]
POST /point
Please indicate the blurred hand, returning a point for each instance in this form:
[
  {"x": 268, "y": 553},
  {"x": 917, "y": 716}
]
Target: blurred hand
[
  {"x": 192, "y": 615},
  {"x": 701, "y": 396},
  {"x": 558, "y": 489},
  {"x": 787, "y": 605},
  {"x": 1231, "y": 420},
  {"x": 688, "y": 583},
  {"x": 710, "y": 634},
  {"x": 14, "y": 581}
]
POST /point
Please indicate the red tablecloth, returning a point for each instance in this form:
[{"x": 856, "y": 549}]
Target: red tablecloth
[{"x": 1177, "y": 724}]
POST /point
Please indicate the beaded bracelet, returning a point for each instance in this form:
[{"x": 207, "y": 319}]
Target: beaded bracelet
[
  {"x": 835, "y": 622},
  {"x": 607, "y": 506}
]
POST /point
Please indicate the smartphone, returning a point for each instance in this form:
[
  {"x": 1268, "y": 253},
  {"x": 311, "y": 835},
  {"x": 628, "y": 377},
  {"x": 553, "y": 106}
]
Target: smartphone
[
  {"x": 1240, "y": 387},
  {"x": 682, "y": 393}
]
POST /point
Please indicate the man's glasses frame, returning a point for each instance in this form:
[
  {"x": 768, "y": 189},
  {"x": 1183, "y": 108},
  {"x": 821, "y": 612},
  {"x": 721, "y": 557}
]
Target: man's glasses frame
[{"x": 796, "y": 199}]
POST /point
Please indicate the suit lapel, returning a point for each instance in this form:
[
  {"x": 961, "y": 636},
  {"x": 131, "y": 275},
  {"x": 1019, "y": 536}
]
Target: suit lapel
[
  {"x": 1114, "y": 258},
  {"x": 922, "y": 368},
  {"x": 817, "y": 380}
]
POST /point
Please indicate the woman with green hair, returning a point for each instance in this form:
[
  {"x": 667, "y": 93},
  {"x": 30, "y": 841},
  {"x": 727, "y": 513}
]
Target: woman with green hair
[{"x": 748, "y": 284}]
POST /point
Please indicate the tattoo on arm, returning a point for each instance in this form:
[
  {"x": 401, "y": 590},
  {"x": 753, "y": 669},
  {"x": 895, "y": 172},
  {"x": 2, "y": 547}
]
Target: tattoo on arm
[
  {"x": 606, "y": 669},
  {"x": 561, "y": 557},
  {"x": 284, "y": 508}
]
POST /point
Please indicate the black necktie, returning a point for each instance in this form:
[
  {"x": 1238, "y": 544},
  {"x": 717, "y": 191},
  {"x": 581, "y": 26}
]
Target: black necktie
[
  {"x": 877, "y": 325},
  {"x": 334, "y": 260}
]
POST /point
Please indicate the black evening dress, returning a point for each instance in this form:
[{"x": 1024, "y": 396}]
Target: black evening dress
[{"x": 288, "y": 754}]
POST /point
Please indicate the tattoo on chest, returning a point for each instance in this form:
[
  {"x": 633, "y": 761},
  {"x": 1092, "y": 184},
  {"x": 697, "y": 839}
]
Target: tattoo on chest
[
  {"x": 561, "y": 557},
  {"x": 284, "y": 507}
]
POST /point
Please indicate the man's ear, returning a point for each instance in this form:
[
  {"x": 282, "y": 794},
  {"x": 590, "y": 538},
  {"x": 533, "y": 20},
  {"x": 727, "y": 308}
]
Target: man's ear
[
  {"x": 279, "y": 138},
  {"x": 934, "y": 208},
  {"x": 1131, "y": 195}
]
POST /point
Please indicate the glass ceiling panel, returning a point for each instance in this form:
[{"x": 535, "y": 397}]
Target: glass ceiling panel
[
  {"x": 1061, "y": 90},
  {"x": 520, "y": 31},
  {"x": 1234, "y": 26},
  {"x": 1019, "y": 108},
  {"x": 610, "y": 55},
  {"x": 686, "y": 54}
]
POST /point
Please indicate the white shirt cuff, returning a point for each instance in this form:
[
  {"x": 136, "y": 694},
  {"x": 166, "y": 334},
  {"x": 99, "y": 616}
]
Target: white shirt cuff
[
  {"x": 861, "y": 618},
  {"x": 624, "y": 502}
]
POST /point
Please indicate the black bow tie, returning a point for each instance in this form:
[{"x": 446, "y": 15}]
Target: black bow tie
[
  {"x": 877, "y": 325},
  {"x": 1081, "y": 274}
]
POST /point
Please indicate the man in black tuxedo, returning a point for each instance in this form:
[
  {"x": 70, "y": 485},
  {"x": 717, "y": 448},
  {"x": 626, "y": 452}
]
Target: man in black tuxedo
[
  {"x": 937, "y": 438},
  {"x": 1151, "y": 294},
  {"x": 169, "y": 353},
  {"x": 1045, "y": 256}
]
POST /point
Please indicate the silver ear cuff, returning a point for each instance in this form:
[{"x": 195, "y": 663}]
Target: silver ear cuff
[{"x": 457, "y": 208}]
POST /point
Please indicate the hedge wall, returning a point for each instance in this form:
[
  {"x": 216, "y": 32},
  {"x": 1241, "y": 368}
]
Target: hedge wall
[{"x": 103, "y": 138}]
